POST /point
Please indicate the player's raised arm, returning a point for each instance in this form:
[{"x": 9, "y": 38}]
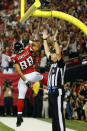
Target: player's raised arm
[
  {"x": 56, "y": 46},
  {"x": 35, "y": 45},
  {"x": 46, "y": 47}
]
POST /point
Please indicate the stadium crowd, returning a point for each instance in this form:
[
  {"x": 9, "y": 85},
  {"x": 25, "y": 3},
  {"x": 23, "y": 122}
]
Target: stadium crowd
[
  {"x": 75, "y": 105},
  {"x": 71, "y": 39}
]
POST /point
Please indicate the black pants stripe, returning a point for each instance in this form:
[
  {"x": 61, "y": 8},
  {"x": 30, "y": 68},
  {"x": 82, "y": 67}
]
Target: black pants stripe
[{"x": 56, "y": 102}]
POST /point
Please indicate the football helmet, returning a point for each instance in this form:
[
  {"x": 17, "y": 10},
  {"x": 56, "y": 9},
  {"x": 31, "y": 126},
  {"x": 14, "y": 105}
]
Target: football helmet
[{"x": 18, "y": 47}]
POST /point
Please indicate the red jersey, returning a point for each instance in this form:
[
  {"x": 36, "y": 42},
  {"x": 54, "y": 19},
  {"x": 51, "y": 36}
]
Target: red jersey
[{"x": 25, "y": 60}]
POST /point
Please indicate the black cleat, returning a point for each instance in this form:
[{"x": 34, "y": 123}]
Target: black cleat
[{"x": 19, "y": 120}]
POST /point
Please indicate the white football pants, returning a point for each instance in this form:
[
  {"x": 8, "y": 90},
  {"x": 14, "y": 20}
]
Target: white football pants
[{"x": 32, "y": 77}]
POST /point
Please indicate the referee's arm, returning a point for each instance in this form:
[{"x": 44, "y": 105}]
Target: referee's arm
[
  {"x": 46, "y": 47},
  {"x": 57, "y": 47}
]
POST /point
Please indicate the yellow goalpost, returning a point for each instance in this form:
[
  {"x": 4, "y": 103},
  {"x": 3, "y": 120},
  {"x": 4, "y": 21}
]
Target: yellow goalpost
[
  {"x": 34, "y": 11},
  {"x": 29, "y": 12}
]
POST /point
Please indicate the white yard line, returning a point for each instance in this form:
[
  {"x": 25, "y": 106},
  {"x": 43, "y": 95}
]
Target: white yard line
[{"x": 29, "y": 124}]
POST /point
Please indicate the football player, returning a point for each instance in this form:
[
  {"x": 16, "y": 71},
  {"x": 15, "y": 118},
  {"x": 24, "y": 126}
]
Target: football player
[{"x": 23, "y": 63}]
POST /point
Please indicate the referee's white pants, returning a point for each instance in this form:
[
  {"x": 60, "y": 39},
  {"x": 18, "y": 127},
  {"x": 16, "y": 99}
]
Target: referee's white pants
[{"x": 32, "y": 77}]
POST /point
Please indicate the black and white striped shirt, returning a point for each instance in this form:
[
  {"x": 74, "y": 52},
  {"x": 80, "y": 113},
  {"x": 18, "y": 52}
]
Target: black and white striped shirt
[{"x": 53, "y": 79}]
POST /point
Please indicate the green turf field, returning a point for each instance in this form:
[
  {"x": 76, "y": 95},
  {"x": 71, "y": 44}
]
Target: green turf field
[
  {"x": 72, "y": 124},
  {"x": 5, "y": 128},
  {"x": 77, "y": 125}
]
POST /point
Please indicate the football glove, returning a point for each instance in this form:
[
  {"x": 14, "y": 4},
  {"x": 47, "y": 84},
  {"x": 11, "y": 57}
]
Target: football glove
[{"x": 28, "y": 84}]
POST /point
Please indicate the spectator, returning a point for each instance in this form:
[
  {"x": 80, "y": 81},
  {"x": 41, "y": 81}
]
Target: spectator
[
  {"x": 69, "y": 109},
  {"x": 43, "y": 62},
  {"x": 4, "y": 61},
  {"x": 67, "y": 89},
  {"x": 80, "y": 111},
  {"x": 83, "y": 98},
  {"x": 64, "y": 106},
  {"x": 7, "y": 70},
  {"x": 85, "y": 46},
  {"x": 85, "y": 109},
  {"x": 73, "y": 51},
  {"x": 45, "y": 110},
  {"x": 8, "y": 97}
]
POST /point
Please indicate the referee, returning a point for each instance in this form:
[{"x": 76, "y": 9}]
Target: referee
[{"x": 55, "y": 82}]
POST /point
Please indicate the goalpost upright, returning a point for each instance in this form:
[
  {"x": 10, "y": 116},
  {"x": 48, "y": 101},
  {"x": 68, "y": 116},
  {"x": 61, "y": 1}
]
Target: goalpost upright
[
  {"x": 22, "y": 8},
  {"x": 30, "y": 11}
]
